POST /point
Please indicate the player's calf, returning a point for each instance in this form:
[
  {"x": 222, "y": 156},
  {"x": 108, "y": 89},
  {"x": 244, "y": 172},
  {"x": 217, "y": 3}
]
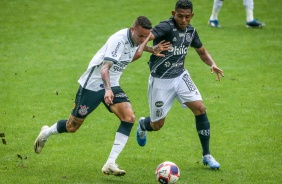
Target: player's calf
[{"x": 74, "y": 123}]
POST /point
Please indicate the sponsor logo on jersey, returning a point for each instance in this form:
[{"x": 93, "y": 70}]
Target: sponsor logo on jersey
[
  {"x": 179, "y": 50},
  {"x": 159, "y": 103},
  {"x": 167, "y": 64},
  {"x": 114, "y": 53},
  {"x": 120, "y": 66},
  {"x": 83, "y": 110},
  {"x": 120, "y": 95},
  {"x": 177, "y": 64}
]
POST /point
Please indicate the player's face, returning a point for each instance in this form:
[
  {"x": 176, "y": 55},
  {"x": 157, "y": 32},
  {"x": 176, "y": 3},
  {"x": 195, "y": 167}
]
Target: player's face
[
  {"x": 182, "y": 17},
  {"x": 139, "y": 34}
]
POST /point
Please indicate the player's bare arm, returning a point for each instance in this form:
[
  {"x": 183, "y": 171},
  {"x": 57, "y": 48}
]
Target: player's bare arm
[
  {"x": 109, "y": 96},
  {"x": 157, "y": 49},
  {"x": 140, "y": 50},
  {"x": 206, "y": 57}
]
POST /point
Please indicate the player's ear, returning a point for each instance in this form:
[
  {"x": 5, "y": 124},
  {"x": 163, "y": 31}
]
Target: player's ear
[
  {"x": 173, "y": 13},
  {"x": 132, "y": 29}
]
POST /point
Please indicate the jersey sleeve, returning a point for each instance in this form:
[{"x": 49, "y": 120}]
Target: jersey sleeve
[
  {"x": 114, "y": 49},
  {"x": 196, "y": 42},
  {"x": 161, "y": 29}
]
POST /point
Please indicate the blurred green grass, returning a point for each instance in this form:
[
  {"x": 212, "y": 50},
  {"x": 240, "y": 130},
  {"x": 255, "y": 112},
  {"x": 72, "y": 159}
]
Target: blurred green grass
[{"x": 45, "y": 47}]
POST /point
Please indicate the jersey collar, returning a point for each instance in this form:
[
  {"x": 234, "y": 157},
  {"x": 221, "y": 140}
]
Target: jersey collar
[{"x": 129, "y": 37}]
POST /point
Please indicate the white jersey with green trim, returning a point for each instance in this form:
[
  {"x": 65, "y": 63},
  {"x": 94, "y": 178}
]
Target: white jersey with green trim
[{"x": 120, "y": 49}]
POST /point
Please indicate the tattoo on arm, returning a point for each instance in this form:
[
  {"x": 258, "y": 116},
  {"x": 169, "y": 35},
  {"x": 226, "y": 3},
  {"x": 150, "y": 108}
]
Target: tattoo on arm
[
  {"x": 148, "y": 49},
  {"x": 106, "y": 65}
]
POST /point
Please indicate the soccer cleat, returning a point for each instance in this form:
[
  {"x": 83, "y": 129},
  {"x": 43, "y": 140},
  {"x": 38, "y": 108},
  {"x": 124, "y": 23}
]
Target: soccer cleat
[
  {"x": 141, "y": 135},
  {"x": 255, "y": 24},
  {"x": 40, "y": 140},
  {"x": 210, "y": 161},
  {"x": 112, "y": 168},
  {"x": 214, "y": 23}
]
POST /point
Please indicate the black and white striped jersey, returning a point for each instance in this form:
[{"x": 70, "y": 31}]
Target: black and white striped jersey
[{"x": 172, "y": 65}]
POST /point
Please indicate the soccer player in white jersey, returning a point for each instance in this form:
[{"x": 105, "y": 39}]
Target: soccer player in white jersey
[
  {"x": 100, "y": 83},
  {"x": 169, "y": 80},
  {"x": 249, "y": 7}
]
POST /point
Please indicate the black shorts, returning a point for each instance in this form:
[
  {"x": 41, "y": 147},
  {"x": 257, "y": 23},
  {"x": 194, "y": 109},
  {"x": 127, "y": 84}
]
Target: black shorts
[{"x": 86, "y": 100}]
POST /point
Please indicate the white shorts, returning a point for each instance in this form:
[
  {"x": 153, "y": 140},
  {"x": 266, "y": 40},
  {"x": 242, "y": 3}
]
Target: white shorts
[{"x": 162, "y": 92}]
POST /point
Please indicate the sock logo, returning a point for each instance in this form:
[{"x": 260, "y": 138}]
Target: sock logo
[{"x": 204, "y": 132}]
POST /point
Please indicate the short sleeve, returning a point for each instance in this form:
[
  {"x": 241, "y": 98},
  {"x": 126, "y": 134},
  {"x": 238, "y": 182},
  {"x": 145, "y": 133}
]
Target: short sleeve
[
  {"x": 161, "y": 29},
  {"x": 114, "y": 49},
  {"x": 196, "y": 42}
]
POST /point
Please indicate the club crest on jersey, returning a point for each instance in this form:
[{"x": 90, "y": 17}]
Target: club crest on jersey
[
  {"x": 83, "y": 110},
  {"x": 188, "y": 37}
]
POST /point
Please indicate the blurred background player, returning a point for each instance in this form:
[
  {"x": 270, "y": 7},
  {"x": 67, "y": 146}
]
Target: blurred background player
[{"x": 249, "y": 7}]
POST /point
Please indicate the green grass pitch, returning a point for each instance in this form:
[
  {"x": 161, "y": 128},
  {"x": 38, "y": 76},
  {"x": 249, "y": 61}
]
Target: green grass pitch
[{"x": 46, "y": 45}]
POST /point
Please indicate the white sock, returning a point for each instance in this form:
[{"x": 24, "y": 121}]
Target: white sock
[
  {"x": 217, "y": 4},
  {"x": 249, "y": 7},
  {"x": 51, "y": 130},
  {"x": 250, "y": 14},
  {"x": 119, "y": 143}
]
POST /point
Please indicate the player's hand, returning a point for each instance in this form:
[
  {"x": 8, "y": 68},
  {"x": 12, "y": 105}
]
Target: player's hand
[
  {"x": 218, "y": 71},
  {"x": 162, "y": 46},
  {"x": 109, "y": 96}
]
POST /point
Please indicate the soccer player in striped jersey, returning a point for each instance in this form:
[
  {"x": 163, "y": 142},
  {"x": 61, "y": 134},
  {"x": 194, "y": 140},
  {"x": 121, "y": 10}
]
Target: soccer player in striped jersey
[
  {"x": 169, "y": 80},
  {"x": 100, "y": 84}
]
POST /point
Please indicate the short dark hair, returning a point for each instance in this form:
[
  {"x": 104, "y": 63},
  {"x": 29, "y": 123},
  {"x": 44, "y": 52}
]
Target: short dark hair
[
  {"x": 143, "y": 22},
  {"x": 184, "y": 4}
]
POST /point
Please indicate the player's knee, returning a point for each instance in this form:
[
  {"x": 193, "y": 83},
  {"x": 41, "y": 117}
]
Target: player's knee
[
  {"x": 131, "y": 118},
  {"x": 202, "y": 109}
]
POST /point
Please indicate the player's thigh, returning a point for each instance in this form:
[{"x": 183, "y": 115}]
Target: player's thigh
[
  {"x": 121, "y": 107},
  {"x": 86, "y": 101},
  {"x": 187, "y": 90},
  {"x": 161, "y": 94}
]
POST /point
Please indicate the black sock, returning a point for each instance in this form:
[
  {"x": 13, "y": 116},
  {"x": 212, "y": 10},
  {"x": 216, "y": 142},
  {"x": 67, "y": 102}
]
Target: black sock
[
  {"x": 203, "y": 129},
  {"x": 147, "y": 124},
  {"x": 125, "y": 128},
  {"x": 62, "y": 126}
]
